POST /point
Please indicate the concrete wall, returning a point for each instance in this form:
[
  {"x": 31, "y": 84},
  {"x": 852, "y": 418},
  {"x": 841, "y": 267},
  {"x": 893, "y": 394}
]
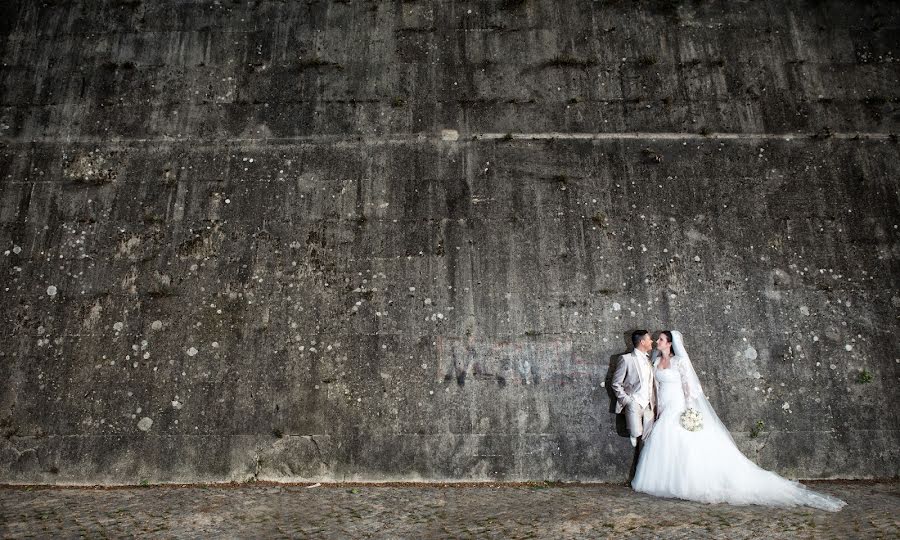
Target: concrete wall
[{"x": 403, "y": 240}]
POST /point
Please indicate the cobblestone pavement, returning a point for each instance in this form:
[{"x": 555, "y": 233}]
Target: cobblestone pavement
[{"x": 429, "y": 511}]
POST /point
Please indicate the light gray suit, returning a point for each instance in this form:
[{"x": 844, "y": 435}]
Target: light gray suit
[{"x": 626, "y": 382}]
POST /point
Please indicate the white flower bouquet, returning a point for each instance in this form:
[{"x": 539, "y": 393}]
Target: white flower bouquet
[{"x": 691, "y": 420}]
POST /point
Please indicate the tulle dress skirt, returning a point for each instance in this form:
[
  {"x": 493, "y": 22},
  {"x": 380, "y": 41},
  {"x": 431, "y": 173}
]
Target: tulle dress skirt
[{"x": 706, "y": 465}]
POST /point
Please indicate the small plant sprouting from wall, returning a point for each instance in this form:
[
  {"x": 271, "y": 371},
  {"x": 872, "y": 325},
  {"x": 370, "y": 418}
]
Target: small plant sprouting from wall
[
  {"x": 864, "y": 377},
  {"x": 757, "y": 429}
]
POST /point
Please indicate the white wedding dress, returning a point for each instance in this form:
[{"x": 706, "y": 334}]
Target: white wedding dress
[{"x": 706, "y": 465}]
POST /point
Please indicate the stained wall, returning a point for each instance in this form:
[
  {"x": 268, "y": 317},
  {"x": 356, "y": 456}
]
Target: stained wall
[{"x": 384, "y": 241}]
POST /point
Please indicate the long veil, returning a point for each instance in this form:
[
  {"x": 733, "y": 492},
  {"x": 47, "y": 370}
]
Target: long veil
[{"x": 693, "y": 391}]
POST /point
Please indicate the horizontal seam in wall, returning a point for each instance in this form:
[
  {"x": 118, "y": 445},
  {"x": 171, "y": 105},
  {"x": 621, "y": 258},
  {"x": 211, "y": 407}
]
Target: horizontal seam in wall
[
  {"x": 462, "y": 137},
  {"x": 206, "y": 434}
]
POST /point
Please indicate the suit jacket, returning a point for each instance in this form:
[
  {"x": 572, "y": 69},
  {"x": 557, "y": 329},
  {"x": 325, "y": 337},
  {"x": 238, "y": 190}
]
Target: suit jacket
[{"x": 627, "y": 380}]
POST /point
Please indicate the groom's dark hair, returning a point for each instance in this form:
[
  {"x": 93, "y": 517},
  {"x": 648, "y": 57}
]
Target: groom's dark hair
[{"x": 637, "y": 336}]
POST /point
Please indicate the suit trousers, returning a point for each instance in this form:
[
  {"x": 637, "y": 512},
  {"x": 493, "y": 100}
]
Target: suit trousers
[{"x": 639, "y": 419}]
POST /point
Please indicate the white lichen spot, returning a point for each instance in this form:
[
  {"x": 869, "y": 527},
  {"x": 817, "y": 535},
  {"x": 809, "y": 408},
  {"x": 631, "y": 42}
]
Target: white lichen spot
[
  {"x": 17, "y": 250},
  {"x": 617, "y": 306},
  {"x": 118, "y": 326},
  {"x": 177, "y": 404},
  {"x": 192, "y": 351},
  {"x": 51, "y": 291},
  {"x": 804, "y": 310},
  {"x": 156, "y": 325},
  {"x": 750, "y": 353},
  {"x": 848, "y": 347},
  {"x": 786, "y": 406},
  {"x": 144, "y": 424},
  {"x": 696, "y": 258}
]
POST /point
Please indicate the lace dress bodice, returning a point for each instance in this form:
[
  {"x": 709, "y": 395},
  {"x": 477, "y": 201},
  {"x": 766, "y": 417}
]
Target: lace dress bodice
[{"x": 669, "y": 391}]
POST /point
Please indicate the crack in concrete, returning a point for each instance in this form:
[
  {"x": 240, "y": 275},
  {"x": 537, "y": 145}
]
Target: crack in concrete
[
  {"x": 318, "y": 450},
  {"x": 258, "y": 466},
  {"x": 19, "y": 453}
]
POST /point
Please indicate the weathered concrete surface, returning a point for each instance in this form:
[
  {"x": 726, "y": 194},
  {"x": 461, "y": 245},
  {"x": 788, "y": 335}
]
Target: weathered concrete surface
[
  {"x": 293, "y": 241},
  {"x": 496, "y": 511}
]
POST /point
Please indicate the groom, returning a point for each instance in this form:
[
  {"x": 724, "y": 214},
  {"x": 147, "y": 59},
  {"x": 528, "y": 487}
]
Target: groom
[{"x": 632, "y": 383}]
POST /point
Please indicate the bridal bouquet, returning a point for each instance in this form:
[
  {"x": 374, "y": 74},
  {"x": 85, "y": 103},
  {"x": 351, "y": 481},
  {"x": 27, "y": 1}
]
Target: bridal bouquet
[{"x": 692, "y": 420}]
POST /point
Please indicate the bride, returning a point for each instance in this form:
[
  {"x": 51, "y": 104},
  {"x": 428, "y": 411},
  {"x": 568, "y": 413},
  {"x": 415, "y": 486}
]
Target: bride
[{"x": 705, "y": 465}]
